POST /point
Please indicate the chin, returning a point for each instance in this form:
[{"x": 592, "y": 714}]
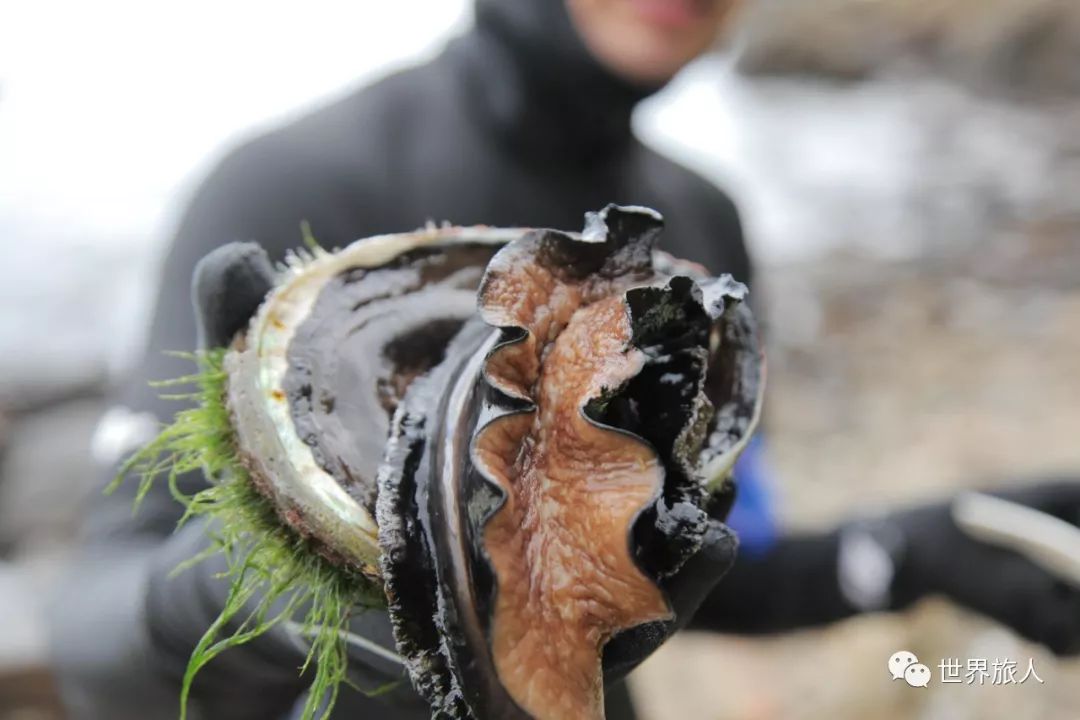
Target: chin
[
  {"x": 637, "y": 46},
  {"x": 650, "y": 59}
]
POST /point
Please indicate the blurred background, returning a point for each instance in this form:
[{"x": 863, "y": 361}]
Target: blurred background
[{"x": 909, "y": 176}]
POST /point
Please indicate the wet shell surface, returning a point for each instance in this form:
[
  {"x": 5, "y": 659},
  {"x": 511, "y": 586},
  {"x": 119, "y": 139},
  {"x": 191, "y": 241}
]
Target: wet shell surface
[{"x": 521, "y": 434}]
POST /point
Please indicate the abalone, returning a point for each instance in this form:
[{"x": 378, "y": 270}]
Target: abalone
[{"x": 519, "y": 434}]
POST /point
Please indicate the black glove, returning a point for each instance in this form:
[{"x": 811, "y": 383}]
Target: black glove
[
  {"x": 934, "y": 556},
  {"x": 889, "y": 562},
  {"x": 229, "y": 285}
]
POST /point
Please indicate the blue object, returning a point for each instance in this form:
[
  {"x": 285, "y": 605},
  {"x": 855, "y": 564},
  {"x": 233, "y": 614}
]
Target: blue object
[{"x": 753, "y": 517}]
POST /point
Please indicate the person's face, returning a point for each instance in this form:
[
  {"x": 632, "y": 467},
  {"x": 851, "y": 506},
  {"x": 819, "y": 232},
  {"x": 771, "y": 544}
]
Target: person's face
[{"x": 648, "y": 41}]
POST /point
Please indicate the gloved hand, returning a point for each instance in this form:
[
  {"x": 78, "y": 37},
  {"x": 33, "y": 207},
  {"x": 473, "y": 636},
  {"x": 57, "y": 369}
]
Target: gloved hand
[
  {"x": 228, "y": 286},
  {"x": 932, "y": 555}
]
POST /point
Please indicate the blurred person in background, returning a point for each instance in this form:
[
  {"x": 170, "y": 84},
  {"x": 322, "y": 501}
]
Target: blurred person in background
[{"x": 523, "y": 121}]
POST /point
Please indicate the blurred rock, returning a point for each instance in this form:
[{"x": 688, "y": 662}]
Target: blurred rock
[
  {"x": 841, "y": 673},
  {"x": 29, "y": 695},
  {"x": 1026, "y": 46},
  {"x": 45, "y": 474},
  {"x": 24, "y": 588}
]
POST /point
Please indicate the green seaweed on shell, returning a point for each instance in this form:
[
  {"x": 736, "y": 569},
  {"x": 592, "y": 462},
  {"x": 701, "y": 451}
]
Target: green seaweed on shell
[{"x": 275, "y": 575}]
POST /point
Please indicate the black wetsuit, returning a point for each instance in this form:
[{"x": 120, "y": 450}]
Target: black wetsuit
[{"x": 513, "y": 124}]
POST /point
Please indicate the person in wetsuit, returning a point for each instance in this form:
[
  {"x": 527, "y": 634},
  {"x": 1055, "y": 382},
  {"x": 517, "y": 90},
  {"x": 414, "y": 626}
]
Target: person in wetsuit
[{"x": 525, "y": 120}]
